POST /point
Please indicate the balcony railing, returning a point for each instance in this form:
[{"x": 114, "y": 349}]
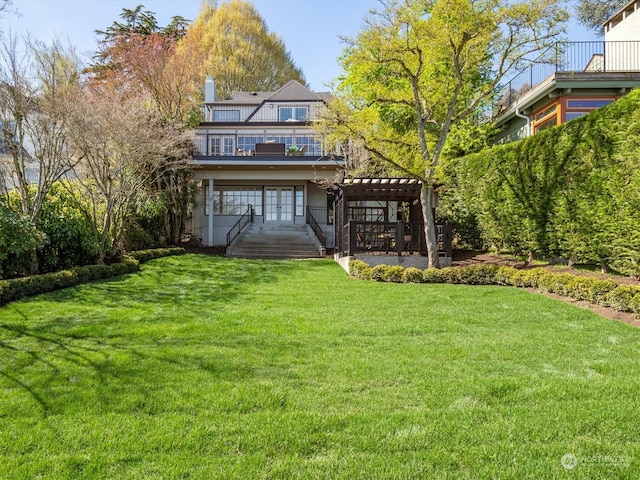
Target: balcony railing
[
  {"x": 572, "y": 57},
  {"x": 258, "y": 149}
]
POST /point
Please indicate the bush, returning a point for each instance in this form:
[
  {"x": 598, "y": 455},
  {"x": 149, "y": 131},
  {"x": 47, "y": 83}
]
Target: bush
[
  {"x": 450, "y": 275},
  {"x": 432, "y": 275},
  {"x": 504, "y": 274},
  {"x": 18, "y": 241},
  {"x": 378, "y": 272},
  {"x": 17, "y": 288},
  {"x": 412, "y": 275},
  {"x": 70, "y": 238},
  {"x": 536, "y": 278},
  {"x": 144, "y": 256},
  {"x": 635, "y": 305},
  {"x": 599, "y": 291},
  {"x": 144, "y": 227},
  {"x": 393, "y": 274},
  {"x": 622, "y": 298},
  {"x": 478, "y": 274},
  {"x": 356, "y": 267}
]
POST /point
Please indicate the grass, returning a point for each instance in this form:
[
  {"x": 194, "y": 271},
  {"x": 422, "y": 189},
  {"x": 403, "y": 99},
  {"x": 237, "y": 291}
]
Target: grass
[{"x": 204, "y": 367}]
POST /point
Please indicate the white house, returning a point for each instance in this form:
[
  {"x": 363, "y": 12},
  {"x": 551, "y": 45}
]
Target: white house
[{"x": 259, "y": 150}]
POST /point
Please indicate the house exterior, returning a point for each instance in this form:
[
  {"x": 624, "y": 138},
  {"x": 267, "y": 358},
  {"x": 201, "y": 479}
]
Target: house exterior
[
  {"x": 7, "y": 178},
  {"x": 583, "y": 76},
  {"x": 257, "y": 153}
]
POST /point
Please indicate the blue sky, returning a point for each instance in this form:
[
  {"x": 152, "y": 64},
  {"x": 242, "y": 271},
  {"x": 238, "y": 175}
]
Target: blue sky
[{"x": 310, "y": 28}]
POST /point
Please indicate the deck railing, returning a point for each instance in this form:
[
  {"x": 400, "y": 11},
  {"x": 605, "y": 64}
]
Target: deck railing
[
  {"x": 571, "y": 57},
  {"x": 392, "y": 238},
  {"x": 243, "y": 221}
]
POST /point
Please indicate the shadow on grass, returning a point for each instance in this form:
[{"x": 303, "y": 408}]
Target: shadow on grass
[{"x": 88, "y": 332}]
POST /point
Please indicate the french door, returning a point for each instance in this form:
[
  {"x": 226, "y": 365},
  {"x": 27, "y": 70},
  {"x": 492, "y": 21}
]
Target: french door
[{"x": 278, "y": 204}]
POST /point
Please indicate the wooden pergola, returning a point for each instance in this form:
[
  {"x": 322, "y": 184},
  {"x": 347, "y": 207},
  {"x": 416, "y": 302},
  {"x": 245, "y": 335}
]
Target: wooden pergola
[{"x": 382, "y": 216}]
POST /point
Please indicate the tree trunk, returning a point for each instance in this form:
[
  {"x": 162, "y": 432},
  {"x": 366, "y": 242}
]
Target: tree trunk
[{"x": 426, "y": 200}]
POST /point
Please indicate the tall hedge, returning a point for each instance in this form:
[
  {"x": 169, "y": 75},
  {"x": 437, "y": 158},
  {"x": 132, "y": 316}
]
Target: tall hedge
[{"x": 570, "y": 191}]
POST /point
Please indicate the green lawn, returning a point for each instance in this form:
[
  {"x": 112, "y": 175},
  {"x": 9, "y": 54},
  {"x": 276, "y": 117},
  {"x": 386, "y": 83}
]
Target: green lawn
[{"x": 202, "y": 367}]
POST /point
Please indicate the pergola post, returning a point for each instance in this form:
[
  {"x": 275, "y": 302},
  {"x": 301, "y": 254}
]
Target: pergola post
[{"x": 353, "y": 238}]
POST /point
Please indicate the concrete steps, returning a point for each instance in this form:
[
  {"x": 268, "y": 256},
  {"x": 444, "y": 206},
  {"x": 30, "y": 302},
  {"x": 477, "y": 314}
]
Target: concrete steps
[{"x": 277, "y": 242}]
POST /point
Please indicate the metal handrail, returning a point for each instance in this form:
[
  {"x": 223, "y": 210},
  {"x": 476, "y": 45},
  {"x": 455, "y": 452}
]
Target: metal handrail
[
  {"x": 243, "y": 221},
  {"x": 571, "y": 57},
  {"x": 316, "y": 228}
]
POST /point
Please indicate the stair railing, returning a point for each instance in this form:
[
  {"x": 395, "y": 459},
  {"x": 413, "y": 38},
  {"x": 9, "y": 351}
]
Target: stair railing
[
  {"x": 243, "y": 221},
  {"x": 316, "y": 228}
]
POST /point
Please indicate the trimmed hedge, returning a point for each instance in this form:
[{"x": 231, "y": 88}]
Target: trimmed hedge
[
  {"x": 606, "y": 293},
  {"x": 18, "y": 288},
  {"x": 144, "y": 256}
]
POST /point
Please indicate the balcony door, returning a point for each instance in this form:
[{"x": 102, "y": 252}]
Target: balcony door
[{"x": 278, "y": 205}]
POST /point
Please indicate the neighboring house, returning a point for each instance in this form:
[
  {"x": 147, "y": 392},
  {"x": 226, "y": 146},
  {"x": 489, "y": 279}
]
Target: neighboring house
[
  {"x": 7, "y": 179},
  {"x": 583, "y": 77},
  {"x": 259, "y": 149}
]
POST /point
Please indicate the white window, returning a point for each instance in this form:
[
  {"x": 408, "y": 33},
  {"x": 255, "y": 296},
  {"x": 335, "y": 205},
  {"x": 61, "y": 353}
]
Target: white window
[
  {"x": 293, "y": 114},
  {"x": 226, "y": 115},
  {"x": 221, "y": 145},
  {"x": 229, "y": 200}
]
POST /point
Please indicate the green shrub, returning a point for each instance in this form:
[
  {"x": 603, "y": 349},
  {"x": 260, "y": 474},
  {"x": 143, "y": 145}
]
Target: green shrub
[
  {"x": 378, "y": 272},
  {"x": 558, "y": 283},
  {"x": 412, "y": 275},
  {"x": 393, "y": 274},
  {"x": 622, "y": 298},
  {"x": 535, "y": 278},
  {"x": 504, "y": 275},
  {"x": 83, "y": 274},
  {"x": 143, "y": 256},
  {"x": 450, "y": 275},
  {"x": 19, "y": 239},
  {"x": 478, "y": 274},
  {"x": 17, "y": 288},
  {"x": 635, "y": 305},
  {"x": 432, "y": 275},
  {"x": 599, "y": 291},
  {"x": 356, "y": 267},
  {"x": 366, "y": 273},
  {"x": 70, "y": 237}
]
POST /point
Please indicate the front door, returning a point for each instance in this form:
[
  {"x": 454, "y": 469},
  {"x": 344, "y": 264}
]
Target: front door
[{"x": 278, "y": 204}]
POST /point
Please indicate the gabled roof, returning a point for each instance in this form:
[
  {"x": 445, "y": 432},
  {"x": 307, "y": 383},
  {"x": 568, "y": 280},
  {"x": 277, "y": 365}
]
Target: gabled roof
[
  {"x": 294, "y": 91},
  {"x": 246, "y": 98}
]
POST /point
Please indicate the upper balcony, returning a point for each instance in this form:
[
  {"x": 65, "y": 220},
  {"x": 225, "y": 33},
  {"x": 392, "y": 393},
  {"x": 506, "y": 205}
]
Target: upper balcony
[
  {"x": 594, "y": 63},
  {"x": 271, "y": 113}
]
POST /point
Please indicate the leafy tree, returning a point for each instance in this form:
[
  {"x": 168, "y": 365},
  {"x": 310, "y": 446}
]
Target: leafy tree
[
  {"x": 238, "y": 49},
  {"x": 420, "y": 67},
  {"x": 123, "y": 145},
  {"x": 593, "y": 13},
  {"x": 38, "y": 87},
  {"x": 140, "y": 57}
]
